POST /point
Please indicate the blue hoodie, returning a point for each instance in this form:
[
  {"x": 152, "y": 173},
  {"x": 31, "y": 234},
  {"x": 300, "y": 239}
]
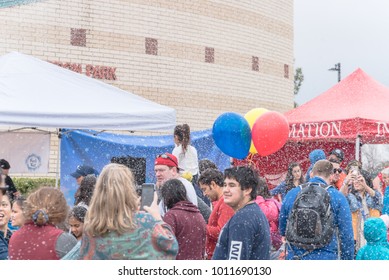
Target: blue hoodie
[
  {"x": 377, "y": 247},
  {"x": 314, "y": 156},
  {"x": 342, "y": 221}
]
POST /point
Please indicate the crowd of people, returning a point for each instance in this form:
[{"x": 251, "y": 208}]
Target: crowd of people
[{"x": 326, "y": 212}]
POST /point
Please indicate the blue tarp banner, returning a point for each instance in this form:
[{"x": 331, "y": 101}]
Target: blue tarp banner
[{"x": 97, "y": 149}]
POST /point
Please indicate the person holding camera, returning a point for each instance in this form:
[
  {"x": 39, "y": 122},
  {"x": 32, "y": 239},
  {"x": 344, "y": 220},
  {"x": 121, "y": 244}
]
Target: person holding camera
[{"x": 364, "y": 201}]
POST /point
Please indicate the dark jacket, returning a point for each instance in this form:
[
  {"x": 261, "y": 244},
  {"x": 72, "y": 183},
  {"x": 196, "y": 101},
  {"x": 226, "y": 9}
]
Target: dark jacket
[
  {"x": 3, "y": 247},
  {"x": 11, "y": 186},
  {"x": 246, "y": 236},
  {"x": 189, "y": 228}
]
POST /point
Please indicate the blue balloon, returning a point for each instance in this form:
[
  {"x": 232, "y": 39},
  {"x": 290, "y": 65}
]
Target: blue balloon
[{"x": 232, "y": 134}]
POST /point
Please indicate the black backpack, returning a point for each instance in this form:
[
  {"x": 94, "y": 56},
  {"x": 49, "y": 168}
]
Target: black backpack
[{"x": 310, "y": 222}]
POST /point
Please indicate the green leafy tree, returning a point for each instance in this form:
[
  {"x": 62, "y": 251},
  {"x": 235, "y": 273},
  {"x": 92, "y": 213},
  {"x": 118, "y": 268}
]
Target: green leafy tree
[{"x": 298, "y": 81}]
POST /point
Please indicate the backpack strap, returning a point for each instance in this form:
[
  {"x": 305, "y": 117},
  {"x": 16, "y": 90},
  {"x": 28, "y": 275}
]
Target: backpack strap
[
  {"x": 297, "y": 257},
  {"x": 324, "y": 186}
]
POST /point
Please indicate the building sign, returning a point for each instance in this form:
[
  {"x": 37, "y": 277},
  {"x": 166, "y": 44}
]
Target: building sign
[
  {"x": 334, "y": 129},
  {"x": 382, "y": 129},
  {"x": 315, "y": 130},
  {"x": 94, "y": 71}
]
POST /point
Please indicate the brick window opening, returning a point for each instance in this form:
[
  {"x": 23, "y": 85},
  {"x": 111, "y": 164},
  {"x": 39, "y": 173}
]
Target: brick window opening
[
  {"x": 255, "y": 63},
  {"x": 78, "y": 37},
  {"x": 151, "y": 46},
  {"x": 286, "y": 71},
  {"x": 209, "y": 55}
]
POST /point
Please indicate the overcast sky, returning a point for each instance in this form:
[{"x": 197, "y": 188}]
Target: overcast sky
[{"x": 352, "y": 32}]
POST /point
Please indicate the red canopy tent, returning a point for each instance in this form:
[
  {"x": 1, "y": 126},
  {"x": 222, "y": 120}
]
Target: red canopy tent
[{"x": 352, "y": 113}]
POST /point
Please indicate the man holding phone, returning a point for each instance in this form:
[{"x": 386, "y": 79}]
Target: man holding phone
[{"x": 166, "y": 168}]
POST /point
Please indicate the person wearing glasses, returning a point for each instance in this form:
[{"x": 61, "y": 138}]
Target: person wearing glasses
[
  {"x": 338, "y": 175},
  {"x": 166, "y": 168},
  {"x": 336, "y": 157}
]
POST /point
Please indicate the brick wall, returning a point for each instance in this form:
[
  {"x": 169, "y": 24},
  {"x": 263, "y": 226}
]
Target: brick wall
[{"x": 194, "y": 56}]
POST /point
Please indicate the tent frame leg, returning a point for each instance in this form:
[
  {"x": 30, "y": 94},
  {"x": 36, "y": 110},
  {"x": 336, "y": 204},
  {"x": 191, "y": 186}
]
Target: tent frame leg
[
  {"x": 58, "y": 159},
  {"x": 358, "y": 147}
]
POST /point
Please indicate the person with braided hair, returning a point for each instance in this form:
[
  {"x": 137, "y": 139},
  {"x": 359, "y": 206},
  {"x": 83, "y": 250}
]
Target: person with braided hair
[{"x": 39, "y": 238}]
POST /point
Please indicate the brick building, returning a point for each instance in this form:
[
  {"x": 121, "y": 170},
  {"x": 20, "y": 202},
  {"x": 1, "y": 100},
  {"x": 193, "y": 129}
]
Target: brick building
[{"x": 202, "y": 58}]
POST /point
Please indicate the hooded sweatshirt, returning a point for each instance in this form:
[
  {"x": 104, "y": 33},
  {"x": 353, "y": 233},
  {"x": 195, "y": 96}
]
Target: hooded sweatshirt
[
  {"x": 377, "y": 247},
  {"x": 189, "y": 228},
  {"x": 314, "y": 156}
]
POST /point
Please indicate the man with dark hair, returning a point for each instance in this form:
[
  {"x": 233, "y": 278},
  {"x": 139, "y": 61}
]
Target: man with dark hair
[
  {"x": 211, "y": 183},
  {"x": 246, "y": 236},
  {"x": 322, "y": 172},
  {"x": 205, "y": 163}
]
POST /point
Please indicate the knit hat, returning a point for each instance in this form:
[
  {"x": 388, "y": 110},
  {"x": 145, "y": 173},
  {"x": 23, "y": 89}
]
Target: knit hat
[
  {"x": 166, "y": 159},
  {"x": 316, "y": 155}
]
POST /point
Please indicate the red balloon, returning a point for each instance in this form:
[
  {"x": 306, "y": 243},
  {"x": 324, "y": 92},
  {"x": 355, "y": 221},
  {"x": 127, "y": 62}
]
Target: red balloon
[{"x": 270, "y": 133}]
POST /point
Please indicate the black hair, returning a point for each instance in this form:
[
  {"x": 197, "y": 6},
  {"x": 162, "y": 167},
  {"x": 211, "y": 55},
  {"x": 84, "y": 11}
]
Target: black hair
[
  {"x": 173, "y": 191},
  {"x": 205, "y": 163},
  {"x": 263, "y": 189},
  {"x": 2, "y": 190},
  {"x": 209, "y": 175},
  {"x": 245, "y": 176},
  {"x": 78, "y": 212},
  {"x": 85, "y": 191},
  {"x": 19, "y": 201}
]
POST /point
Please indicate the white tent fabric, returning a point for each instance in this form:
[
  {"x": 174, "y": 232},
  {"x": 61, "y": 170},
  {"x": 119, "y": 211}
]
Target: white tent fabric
[{"x": 36, "y": 93}]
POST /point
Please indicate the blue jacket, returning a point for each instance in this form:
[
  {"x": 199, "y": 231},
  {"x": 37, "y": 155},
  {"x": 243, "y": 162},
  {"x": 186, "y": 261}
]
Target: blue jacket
[
  {"x": 246, "y": 236},
  {"x": 280, "y": 189},
  {"x": 377, "y": 247},
  {"x": 385, "y": 208},
  {"x": 342, "y": 221}
]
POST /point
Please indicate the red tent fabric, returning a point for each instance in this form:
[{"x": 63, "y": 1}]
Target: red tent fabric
[{"x": 356, "y": 106}]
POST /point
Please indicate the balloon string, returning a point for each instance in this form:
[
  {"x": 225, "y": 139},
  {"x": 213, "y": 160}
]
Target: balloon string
[{"x": 250, "y": 159}]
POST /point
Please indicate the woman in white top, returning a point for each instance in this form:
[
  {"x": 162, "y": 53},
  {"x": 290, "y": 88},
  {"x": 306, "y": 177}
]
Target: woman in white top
[{"x": 184, "y": 151}]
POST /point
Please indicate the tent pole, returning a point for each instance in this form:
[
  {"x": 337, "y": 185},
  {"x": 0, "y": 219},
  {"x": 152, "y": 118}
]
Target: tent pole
[
  {"x": 58, "y": 159},
  {"x": 357, "y": 147}
]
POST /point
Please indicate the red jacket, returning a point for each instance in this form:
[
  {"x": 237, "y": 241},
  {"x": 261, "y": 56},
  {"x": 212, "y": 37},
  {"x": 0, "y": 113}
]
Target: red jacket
[
  {"x": 189, "y": 228},
  {"x": 220, "y": 215},
  {"x": 33, "y": 242}
]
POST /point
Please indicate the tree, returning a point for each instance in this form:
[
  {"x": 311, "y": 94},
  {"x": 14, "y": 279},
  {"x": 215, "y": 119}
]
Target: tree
[{"x": 298, "y": 81}]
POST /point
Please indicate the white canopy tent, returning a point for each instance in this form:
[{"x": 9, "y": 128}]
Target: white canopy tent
[{"x": 38, "y": 94}]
